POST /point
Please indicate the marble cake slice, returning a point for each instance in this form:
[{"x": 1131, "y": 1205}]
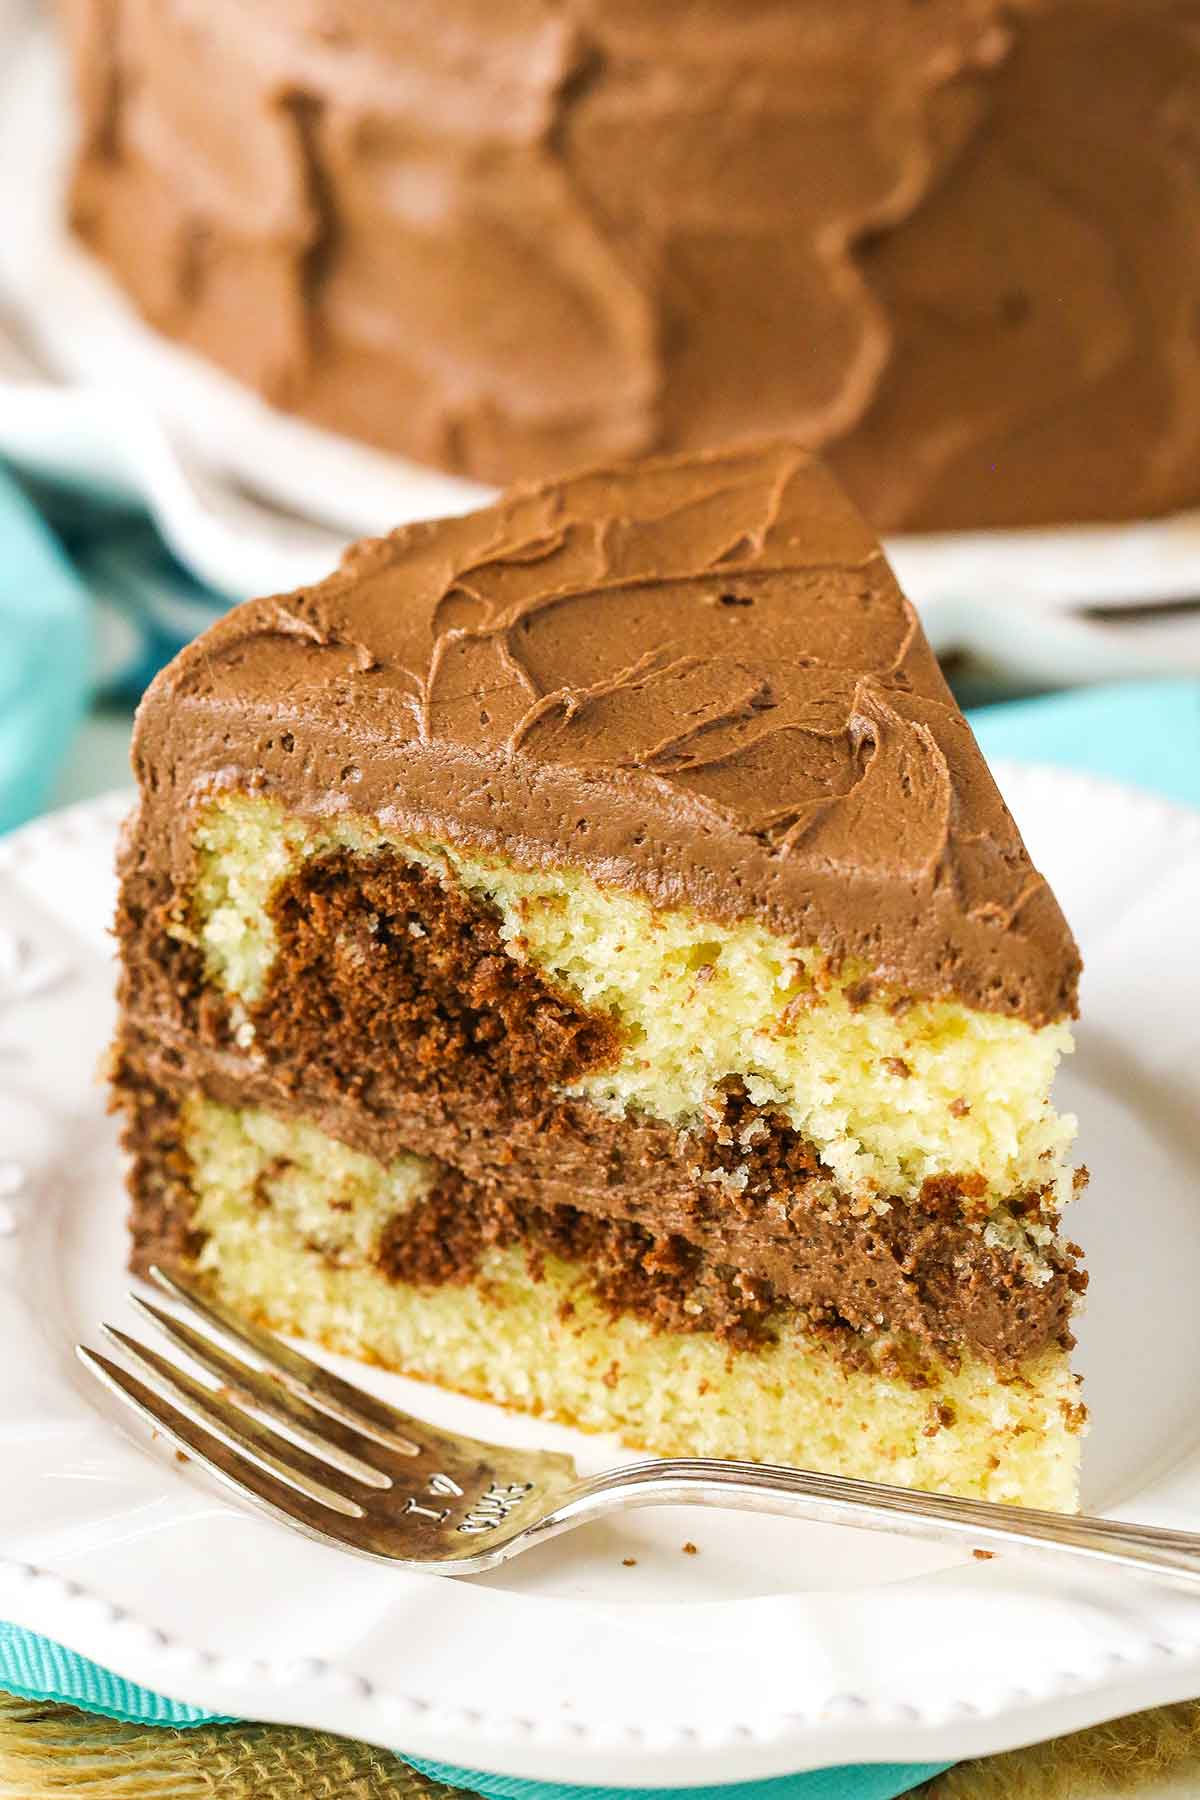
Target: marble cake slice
[{"x": 577, "y": 954}]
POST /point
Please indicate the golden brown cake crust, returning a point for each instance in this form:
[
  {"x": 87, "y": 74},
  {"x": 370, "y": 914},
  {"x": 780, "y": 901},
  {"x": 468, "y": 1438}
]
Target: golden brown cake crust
[
  {"x": 695, "y": 678},
  {"x": 955, "y": 244}
]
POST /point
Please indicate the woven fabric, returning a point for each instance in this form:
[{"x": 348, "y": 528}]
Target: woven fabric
[
  {"x": 862, "y": 1781},
  {"x": 50, "y": 1752},
  {"x": 35, "y": 1668}
]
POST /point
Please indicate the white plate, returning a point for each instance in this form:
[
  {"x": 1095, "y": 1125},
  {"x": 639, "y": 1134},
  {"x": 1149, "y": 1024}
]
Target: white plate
[
  {"x": 780, "y": 1646},
  {"x": 255, "y": 501}
]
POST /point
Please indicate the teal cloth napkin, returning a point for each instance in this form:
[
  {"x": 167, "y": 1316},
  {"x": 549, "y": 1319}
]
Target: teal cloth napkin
[
  {"x": 91, "y": 605},
  {"x": 45, "y": 656},
  {"x": 53, "y": 587}
]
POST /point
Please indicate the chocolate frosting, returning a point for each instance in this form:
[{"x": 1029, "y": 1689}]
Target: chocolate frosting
[
  {"x": 694, "y": 677},
  {"x": 955, "y": 244}
]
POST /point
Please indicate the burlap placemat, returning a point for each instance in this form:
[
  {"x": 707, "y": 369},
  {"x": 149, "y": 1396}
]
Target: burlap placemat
[{"x": 56, "y": 1751}]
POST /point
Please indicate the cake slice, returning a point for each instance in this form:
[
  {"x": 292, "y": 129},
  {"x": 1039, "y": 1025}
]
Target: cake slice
[{"x": 578, "y": 955}]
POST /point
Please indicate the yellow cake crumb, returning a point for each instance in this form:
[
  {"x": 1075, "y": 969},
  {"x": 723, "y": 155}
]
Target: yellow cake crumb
[
  {"x": 698, "y": 1003},
  {"x": 545, "y": 1345}
]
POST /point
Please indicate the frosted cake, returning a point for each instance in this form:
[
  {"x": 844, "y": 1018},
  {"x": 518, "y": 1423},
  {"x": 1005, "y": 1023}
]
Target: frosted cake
[{"x": 577, "y": 954}]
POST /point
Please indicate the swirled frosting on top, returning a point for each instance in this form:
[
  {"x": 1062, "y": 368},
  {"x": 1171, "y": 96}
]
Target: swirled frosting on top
[
  {"x": 953, "y": 244},
  {"x": 693, "y": 677}
]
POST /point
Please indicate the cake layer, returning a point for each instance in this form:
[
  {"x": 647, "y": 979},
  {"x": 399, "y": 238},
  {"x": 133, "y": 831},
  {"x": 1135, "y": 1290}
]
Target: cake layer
[
  {"x": 293, "y": 1228},
  {"x": 694, "y": 680},
  {"x": 314, "y": 930},
  {"x": 955, "y": 244},
  {"x": 399, "y": 997},
  {"x": 928, "y": 1277}
]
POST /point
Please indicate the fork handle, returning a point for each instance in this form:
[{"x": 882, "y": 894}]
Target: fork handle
[{"x": 871, "y": 1506}]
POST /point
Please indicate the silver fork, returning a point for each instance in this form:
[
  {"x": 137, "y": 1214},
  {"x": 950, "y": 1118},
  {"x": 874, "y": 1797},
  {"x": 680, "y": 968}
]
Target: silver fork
[{"x": 341, "y": 1466}]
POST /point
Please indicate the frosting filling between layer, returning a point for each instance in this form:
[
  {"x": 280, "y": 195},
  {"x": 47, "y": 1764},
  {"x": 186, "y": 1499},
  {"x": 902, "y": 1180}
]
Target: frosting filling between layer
[
  {"x": 919, "y": 1291},
  {"x": 531, "y": 1329}
]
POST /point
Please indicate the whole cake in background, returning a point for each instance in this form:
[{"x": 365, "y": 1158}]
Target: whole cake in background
[
  {"x": 577, "y": 954},
  {"x": 955, "y": 244}
]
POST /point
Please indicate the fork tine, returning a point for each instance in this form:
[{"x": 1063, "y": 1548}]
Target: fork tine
[
  {"x": 350, "y": 1405},
  {"x": 236, "y": 1429},
  {"x": 229, "y": 1466},
  {"x": 256, "y": 1392}
]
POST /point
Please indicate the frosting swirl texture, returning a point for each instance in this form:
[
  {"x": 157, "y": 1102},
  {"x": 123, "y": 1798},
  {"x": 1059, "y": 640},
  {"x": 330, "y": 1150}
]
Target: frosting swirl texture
[{"x": 695, "y": 677}]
